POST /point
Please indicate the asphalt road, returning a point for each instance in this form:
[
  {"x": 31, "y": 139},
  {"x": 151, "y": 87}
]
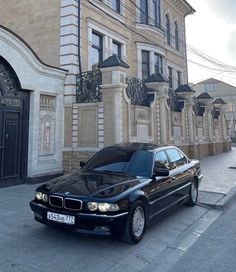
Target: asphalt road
[{"x": 215, "y": 250}]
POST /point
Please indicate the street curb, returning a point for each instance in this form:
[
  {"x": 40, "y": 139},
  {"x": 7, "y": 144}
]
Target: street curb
[
  {"x": 168, "y": 257},
  {"x": 227, "y": 200},
  {"x": 223, "y": 203}
]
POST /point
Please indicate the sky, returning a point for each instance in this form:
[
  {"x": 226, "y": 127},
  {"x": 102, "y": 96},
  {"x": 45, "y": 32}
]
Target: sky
[{"x": 212, "y": 31}]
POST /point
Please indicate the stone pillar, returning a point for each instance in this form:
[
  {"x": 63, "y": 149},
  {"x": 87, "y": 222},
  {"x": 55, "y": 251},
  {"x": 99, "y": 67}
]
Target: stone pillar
[
  {"x": 113, "y": 84},
  {"x": 161, "y": 87},
  {"x": 69, "y": 48},
  {"x": 189, "y": 108}
]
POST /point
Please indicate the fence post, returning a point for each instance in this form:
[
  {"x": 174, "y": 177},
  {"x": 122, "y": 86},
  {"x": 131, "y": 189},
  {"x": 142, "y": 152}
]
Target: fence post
[
  {"x": 160, "y": 84},
  {"x": 113, "y": 84}
]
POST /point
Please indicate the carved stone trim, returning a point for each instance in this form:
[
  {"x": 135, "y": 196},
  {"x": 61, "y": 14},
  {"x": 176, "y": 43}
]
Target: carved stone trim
[
  {"x": 47, "y": 136},
  {"x": 8, "y": 85},
  {"x": 47, "y": 103}
]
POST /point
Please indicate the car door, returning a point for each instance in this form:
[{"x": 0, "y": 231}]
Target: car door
[
  {"x": 179, "y": 173},
  {"x": 160, "y": 188}
]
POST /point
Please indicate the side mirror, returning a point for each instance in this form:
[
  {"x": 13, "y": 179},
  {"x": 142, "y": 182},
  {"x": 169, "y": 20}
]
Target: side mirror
[
  {"x": 82, "y": 164},
  {"x": 159, "y": 172}
]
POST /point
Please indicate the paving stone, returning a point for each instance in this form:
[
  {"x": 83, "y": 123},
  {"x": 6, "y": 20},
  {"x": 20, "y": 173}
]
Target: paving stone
[
  {"x": 134, "y": 262},
  {"x": 185, "y": 240},
  {"x": 165, "y": 261}
]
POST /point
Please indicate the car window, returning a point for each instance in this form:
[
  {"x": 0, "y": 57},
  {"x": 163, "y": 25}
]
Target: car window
[
  {"x": 183, "y": 158},
  {"x": 133, "y": 162},
  {"x": 161, "y": 160},
  {"x": 176, "y": 159}
]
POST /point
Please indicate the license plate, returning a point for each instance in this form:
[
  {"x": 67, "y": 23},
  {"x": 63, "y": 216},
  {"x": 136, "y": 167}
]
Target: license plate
[{"x": 62, "y": 218}]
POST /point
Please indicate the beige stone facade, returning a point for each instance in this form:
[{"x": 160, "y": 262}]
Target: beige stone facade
[
  {"x": 149, "y": 39},
  {"x": 37, "y": 23}
]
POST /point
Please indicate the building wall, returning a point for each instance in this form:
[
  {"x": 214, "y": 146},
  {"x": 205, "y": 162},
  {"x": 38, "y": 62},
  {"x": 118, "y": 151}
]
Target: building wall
[
  {"x": 37, "y": 23},
  {"x": 134, "y": 36}
]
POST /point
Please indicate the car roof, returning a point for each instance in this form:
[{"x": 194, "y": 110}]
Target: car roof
[{"x": 140, "y": 146}]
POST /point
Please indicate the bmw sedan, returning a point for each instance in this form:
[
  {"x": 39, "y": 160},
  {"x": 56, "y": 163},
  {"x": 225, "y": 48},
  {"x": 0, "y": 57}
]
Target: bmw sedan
[{"x": 119, "y": 191}]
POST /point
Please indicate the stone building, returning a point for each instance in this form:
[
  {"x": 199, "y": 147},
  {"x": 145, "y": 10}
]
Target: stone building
[
  {"x": 219, "y": 89},
  {"x": 72, "y": 81}
]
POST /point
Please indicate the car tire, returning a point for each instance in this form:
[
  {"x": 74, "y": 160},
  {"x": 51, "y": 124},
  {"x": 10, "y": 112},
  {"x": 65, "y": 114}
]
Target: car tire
[
  {"x": 136, "y": 224},
  {"x": 193, "y": 194}
]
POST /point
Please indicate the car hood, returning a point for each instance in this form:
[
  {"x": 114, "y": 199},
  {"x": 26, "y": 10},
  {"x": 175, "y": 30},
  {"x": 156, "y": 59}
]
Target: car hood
[{"x": 91, "y": 185}]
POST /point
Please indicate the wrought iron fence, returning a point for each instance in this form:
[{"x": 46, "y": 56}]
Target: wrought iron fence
[
  {"x": 89, "y": 87},
  {"x": 173, "y": 101},
  {"x": 197, "y": 107},
  {"x": 215, "y": 113},
  {"x": 138, "y": 92}
]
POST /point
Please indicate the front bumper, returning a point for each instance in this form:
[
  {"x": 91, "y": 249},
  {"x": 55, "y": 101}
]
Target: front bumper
[
  {"x": 200, "y": 179},
  {"x": 84, "y": 223}
]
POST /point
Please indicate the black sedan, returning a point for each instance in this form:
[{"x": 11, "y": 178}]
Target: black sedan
[{"x": 119, "y": 191}]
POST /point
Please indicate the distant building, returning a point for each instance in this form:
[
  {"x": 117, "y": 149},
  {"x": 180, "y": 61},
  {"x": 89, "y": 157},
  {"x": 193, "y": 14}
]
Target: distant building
[{"x": 219, "y": 89}]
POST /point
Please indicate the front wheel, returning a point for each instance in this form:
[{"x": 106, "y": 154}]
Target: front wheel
[
  {"x": 193, "y": 195},
  {"x": 136, "y": 224}
]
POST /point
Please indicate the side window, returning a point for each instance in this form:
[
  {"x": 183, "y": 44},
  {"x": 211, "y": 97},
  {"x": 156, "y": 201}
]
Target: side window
[
  {"x": 175, "y": 159},
  {"x": 183, "y": 158},
  {"x": 161, "y": 160}
]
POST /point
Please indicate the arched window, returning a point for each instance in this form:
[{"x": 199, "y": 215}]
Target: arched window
[
  {"x": 176, "y": 36},
  {"x": 168, "y": 29}
]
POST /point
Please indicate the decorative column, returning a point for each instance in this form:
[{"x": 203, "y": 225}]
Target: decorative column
[
  {"x": 69, "y": 47},
  {"x": 205, "y": 99},
  {"x": 188, "y": 94},
  {"x": 160, "y": 85},
  {"x": 113, "y": 84}
]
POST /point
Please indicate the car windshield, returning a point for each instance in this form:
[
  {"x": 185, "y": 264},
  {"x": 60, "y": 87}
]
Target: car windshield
[{"x": 121, "y": 160}]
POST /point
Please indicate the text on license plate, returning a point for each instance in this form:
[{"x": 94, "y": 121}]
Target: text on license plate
[{"x": 62, "y": 218}]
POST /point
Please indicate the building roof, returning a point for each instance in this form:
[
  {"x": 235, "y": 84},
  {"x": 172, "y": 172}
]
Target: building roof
[
  {"x": 192, "y": 10},
  {"x": 213, "y": 81},
  {"x": 184, "y": 89},
  {"x": 156, "y": 78},
  {"x": 113, "y": 61},
  {"x": 204, "y": 96},
  {"x": 219, "y": 101}
]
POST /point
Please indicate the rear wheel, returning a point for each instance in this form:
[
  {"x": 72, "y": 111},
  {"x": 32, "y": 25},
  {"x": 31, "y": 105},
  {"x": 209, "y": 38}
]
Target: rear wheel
[
  {"x": 136, "y": 224},
  {"x": 193, "y": 195}
]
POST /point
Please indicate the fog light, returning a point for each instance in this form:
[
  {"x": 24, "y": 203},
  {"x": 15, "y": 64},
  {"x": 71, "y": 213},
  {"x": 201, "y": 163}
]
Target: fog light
[
  {"x": 38, "y": 215},
  {"x": 102, "y": 228}
]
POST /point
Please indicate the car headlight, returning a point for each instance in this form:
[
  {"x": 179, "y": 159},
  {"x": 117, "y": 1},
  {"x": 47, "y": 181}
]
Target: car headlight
[
  {"x": 44, "y": 198},
  {"x": 38, "y": 195},
  {"x": 41, "y": 196},
  {"x": 92, "y": 206},
  {"x": 103, "y": 207}
]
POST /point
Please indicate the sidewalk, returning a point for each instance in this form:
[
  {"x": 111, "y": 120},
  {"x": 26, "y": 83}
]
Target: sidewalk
[
  {"x": 218, "y": 186},
  {"x": 30, "y": 246}
]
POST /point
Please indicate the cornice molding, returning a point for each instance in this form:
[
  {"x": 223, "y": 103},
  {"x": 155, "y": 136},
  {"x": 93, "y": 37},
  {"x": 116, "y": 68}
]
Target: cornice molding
[{"x": 183, "y": 7}]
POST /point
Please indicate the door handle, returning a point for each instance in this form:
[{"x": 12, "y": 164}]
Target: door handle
[{"x": 174, "y": 178}]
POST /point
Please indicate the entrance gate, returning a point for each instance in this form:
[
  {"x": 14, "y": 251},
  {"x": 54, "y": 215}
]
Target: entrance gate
[{"x": 14, "y": 108}]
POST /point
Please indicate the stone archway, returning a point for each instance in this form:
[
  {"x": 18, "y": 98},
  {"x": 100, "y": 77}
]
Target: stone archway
[{"x": 14, "y": 125}]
